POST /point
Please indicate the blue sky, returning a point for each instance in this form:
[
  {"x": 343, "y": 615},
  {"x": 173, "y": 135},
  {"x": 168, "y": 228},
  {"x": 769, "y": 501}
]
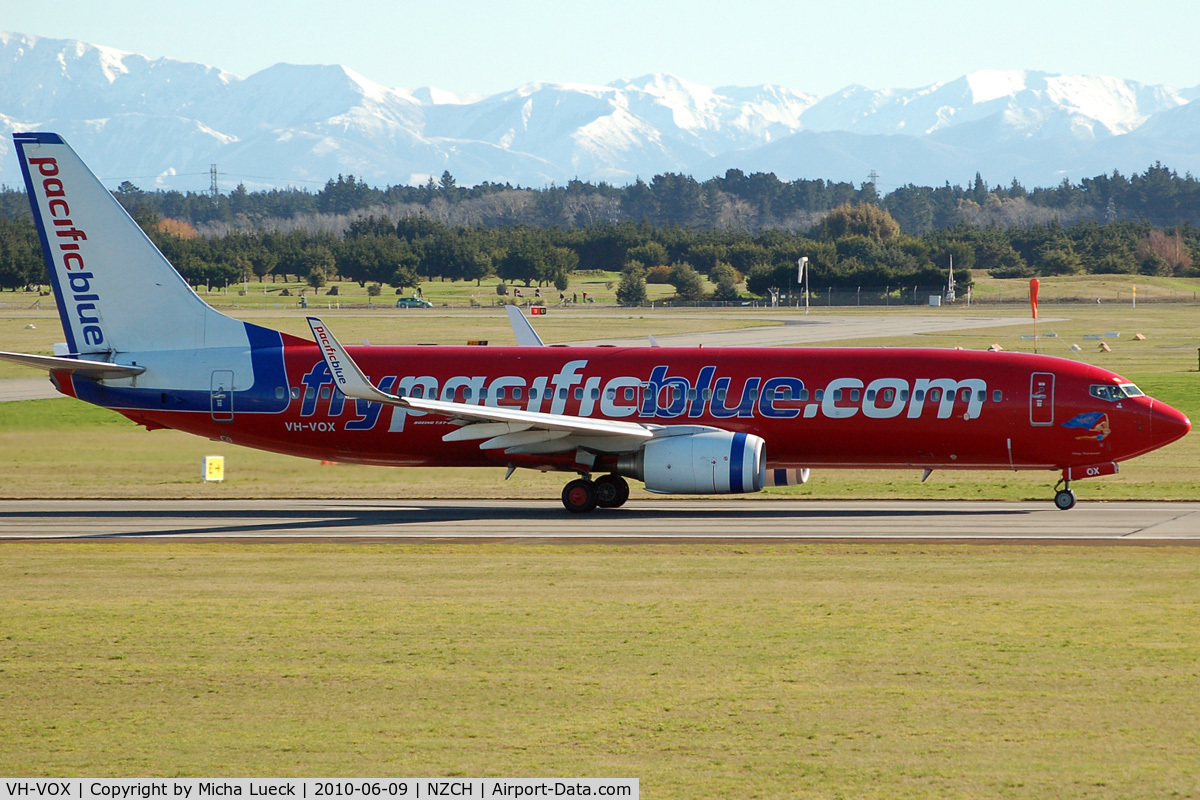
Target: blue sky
[{"x": 485, "y": 47}]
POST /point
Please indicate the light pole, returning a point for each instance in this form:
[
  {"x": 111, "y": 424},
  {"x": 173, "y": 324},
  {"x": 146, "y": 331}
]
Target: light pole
[{"x": 802, "y": 278}]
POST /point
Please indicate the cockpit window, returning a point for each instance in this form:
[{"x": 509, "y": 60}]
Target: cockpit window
[{"x": 1113, "y": 393}]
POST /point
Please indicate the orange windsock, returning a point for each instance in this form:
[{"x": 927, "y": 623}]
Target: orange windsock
[{"x": 1033, "y": 293}]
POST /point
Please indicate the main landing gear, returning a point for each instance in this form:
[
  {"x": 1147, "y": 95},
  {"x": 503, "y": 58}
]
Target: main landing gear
[
  {"x": 1064, "y": 498},
  {"x": 583, "y": 494}
]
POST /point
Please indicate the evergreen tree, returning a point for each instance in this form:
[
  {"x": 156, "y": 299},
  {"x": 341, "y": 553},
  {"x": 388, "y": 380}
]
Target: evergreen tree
[
  {"x": 687, "y": 282},
  {"x": 632, "y": 289}
]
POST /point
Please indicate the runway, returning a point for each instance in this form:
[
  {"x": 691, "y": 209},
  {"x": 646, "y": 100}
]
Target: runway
[
  {"x": 797, "y": 330},
  {"x": 532, "y": 521}
]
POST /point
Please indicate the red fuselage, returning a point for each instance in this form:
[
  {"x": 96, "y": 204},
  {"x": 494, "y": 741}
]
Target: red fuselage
[{"x": 814, "y": 407}]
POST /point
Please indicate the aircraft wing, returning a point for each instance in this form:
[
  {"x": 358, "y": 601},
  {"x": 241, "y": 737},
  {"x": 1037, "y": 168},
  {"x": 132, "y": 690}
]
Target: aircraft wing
[
  {"x": 89, "y": 369},
  {"x": 514, "y": 430}
]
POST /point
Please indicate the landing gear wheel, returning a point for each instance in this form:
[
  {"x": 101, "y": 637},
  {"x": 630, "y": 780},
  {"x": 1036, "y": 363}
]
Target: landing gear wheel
[
  {"x": 579, "y": 496},
  {"x": 611, "y": 491},
  {"x": 1064, "y": 499}
]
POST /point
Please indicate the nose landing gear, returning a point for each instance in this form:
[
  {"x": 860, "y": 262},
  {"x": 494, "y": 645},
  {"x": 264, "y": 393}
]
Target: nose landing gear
[{"x": 1064, "y": 498}]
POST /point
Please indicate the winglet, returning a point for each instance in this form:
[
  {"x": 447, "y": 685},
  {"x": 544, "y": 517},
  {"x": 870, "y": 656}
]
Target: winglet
[
  {"x": 526, "y": 335},
  {"x": 350, "y": 379}
]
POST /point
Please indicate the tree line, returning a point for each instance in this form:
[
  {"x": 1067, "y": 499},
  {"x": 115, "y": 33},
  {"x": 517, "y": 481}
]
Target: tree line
[
  {"x": 735, "y": 201},
  {"x": 854, "y": 245}
]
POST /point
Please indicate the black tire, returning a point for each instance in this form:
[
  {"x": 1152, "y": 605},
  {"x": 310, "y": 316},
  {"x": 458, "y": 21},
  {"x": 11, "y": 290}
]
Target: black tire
[
  {"x": 1064, "y": 500},
  {"x": 611, "y": 491},
  {"x": 579, "y": 496}
]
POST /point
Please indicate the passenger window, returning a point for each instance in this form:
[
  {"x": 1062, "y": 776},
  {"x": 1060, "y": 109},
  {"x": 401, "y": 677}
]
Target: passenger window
[
  {"x": 888, "y": 395},
  {"x": 804, "y": 394},
  {"x": 854, "y": 394},
  {"x": 997, "y": 396},
  {"x": 837, "y": 395},
  {"x": 871, "y": 395},
  {"x": 628, "y": 392},
  {"x": 324, "y": 392},
  {"x": 578, "y": 393},
  {"x": 517, "y": 393},
  {"x": 935, "y": 395}
]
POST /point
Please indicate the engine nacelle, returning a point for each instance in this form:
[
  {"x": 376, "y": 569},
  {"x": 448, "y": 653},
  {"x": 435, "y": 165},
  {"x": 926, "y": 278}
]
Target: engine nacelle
[
  {"x": 710, "y": 462},
  {"x": 787, "y": 477}
]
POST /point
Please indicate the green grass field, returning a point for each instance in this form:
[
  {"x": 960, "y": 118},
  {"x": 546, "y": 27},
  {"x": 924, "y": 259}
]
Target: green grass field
[{"x": 706, "y": 671}]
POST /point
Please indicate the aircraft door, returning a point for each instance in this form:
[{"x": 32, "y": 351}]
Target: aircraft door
[
  {"x": 1041, "y": 399},
  {"x": 221, "y": 395}
]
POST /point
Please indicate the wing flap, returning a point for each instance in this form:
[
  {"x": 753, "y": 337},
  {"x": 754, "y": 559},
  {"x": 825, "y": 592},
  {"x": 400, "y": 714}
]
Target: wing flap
[
  {"x": 483, "y": 430},
  {"x": 523, "y": 439}
]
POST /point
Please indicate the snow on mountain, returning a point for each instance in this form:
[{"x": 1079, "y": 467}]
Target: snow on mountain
[
  {"x": 50, "y": 79},
  {"x": 163, "y": 122},
  {"x": 1023, "y": 101}
]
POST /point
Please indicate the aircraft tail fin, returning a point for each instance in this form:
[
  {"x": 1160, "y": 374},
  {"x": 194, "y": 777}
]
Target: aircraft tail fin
[{"x": 116, "y": 292}]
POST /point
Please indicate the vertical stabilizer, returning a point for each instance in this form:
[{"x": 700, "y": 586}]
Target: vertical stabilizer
[{"x": 116, "y": 292}]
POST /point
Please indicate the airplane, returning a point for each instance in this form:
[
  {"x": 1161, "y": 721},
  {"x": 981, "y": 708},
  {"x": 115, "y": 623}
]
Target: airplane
[{"x": 681, "y": 420}]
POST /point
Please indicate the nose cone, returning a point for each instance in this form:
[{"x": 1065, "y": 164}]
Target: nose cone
[{"x": 1168, "y": 424}]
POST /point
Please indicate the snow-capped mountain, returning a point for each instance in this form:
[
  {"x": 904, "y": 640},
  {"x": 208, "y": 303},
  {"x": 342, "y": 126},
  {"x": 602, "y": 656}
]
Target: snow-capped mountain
[{"x": 162, "y": 123}]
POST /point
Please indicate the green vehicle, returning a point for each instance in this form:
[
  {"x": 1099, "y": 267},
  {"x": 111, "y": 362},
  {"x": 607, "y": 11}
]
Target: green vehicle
[{"x": 413, "y": 302}]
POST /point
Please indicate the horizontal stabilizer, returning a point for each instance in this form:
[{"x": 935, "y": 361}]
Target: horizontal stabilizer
[{"x": 79, "y": 366}]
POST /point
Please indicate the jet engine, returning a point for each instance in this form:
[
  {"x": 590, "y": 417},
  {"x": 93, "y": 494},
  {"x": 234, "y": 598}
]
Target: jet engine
[
  {"x": 787, "y": 477},
  {"x": 709, "y": 462}
]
